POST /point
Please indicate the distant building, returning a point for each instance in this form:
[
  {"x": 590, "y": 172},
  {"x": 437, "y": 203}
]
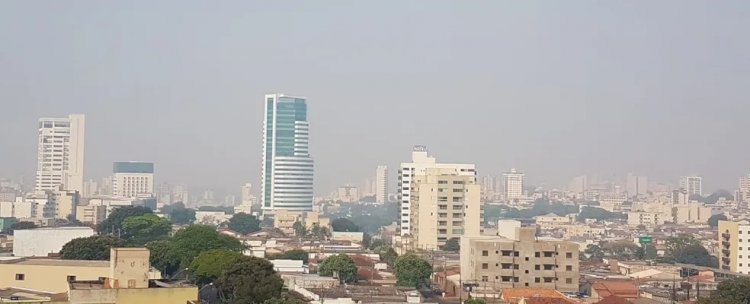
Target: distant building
[
  {"x": 444, "y": 205},
  {"x": 744, "y": 191},
  {"x": 347, "y": 194},
  {"x": 692, "y": 184},
  {"x": 636, "y": 185},
  {"x": 513, "y": 184},
  {"x": 733, "y": 255},
  {"x": 247, "y": 197},
  {"x": 421, "y": 161},
  {"x": 495, "y": 263},
  {"x": 60, "y": 153},
  {"x": 578, "y": 184},
  {"x": 133, "y": 179},
  {"x": 287, "y": 181},
  {"x": 381, "y": 184},
  {"x": 692, "y": 213},
  {"x": 41, "y": 242}
]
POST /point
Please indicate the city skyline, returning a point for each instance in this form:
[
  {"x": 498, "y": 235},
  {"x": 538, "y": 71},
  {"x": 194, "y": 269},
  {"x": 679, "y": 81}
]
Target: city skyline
[{"x": 539, "y": 98}]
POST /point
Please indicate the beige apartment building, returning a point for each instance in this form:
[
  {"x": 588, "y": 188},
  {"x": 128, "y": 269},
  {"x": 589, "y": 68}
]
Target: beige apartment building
[
  {"x": 445, "y": 205},
  {"x": 734, "y": 246},
  {"x": 284, "y": 220},
  {"x": 493, "y": 263}
]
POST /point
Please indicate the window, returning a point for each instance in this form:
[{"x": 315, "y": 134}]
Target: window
[
  {"x": 547, "y": 280},
  {"x": 537, "y": 267},
  {"x": 485, "y": 253},
  {"x": 442, "y": 182},
  {"x": 536, "y": 254},
  {"x": 568, "y": 281},
  {"x": 527, "y": 259},
  {"x": 458, "y": 182},
  {"x": 20, "y": 277},
  {"x": 537, "y": 280},
  {"x": 485, "y": 279},
  {"x": 71, "y": 278},
  {"x": 569, "y": 255},
  {"x": 569, "y": 268}
]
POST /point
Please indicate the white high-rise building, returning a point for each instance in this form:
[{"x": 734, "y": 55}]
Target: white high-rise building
[
  {"x": 287, "y": 180},
  {"x": 133, "y": 179},
  {"x": 636, "y": 185},
  {"x": 421, "y": 161},
  {"x": 744, "y": 190},
  {"x": 692, "y": 184},
  {"x": 60, "y": 153},
  {"x": 381, "y": 184},
  {"x": 513, "y": 184},
  {"x": 247, "y": 196}
]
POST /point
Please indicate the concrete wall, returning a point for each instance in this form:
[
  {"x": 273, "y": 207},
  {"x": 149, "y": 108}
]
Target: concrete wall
[
  {"x": 43, "y": 241},
  {"x": 47, "y": 278},
  {"x": 180, "y": 295}
]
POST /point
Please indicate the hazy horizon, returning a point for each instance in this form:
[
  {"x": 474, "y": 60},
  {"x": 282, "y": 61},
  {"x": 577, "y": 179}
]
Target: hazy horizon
[{"x": 556, "y": 90}]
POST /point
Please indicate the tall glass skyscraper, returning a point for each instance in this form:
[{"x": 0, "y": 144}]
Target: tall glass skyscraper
[{"x": 287, "y": 181}]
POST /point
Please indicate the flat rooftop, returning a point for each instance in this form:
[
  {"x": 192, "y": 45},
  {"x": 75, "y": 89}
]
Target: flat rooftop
[
  {"x": 27, "y": 295},
  {"x": 52, "y": 262}
]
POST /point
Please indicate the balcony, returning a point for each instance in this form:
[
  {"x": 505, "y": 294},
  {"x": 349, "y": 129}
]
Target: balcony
[{"x": 725, "y": 235}]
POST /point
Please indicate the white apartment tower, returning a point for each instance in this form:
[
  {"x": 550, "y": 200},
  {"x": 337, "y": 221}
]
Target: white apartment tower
[
  {"x": 692, "y": 184},
  {"x": 744, "y": 189},
  {"x": 381, "y": 184},
  {"x": 420, "y": 162},
  {"x": 60, "y": 153},
  {"x": 133, "y": 179},
  {"x": 287, "y": 179},
  {"x": 513, "y": 182},
  {"x": 636, "y": 185}
]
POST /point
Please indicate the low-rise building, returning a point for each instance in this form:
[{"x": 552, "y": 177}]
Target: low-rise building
[{"x": 499, "y": 263}]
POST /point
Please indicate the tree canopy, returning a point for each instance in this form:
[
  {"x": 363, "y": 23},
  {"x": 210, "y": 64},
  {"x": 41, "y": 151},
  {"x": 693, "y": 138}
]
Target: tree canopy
[
  {"x": 540, "y": 207},
  {"x": 599, "y": 214},
  {"x": 250, "y": 280},
  {"x": 95, "y": 247},
  {"x": 209, "y": 265},
  {"x": 713, "y": 221},
  {"x": 113, "y": 223},
  {"x": 686, "y": 249},
  {"x": 388, "y": 255},
  {"x": 412, "y": 271},
  {"x": 21, "y": 226},
  {"x": 191, "y": 241},
  {"x": 163, "y": 257},
  {"x": 182, "y": 216},
  {"x": 732, "y": 291},
  {"x": 299, "y": 229},
  {"x": 344, "y": 225},
  {"x": 474, "y": 301},
  {"x": 244, "y": 223},
  {"x": 294, "y": 254},
  {"x": 341, "y": 265},
  {"x": 139, "y": 230},
  {"x": 452, "y": 244}
]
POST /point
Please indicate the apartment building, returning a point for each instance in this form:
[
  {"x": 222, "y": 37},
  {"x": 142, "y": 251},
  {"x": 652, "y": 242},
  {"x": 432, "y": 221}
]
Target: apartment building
[
  {"x": 491, "y": 262},
  {"x": 734, "y": 245},
  {"x": 445, "y": 205}
]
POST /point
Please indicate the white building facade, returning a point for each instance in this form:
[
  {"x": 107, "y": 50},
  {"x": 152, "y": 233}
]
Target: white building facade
[
  {"x": 60, "y": 153},
  {"x": 692, "y": 184},
  {"x": 381, "y": 184},
  {"x": 133, "y": 179},
  {"x": 513, "y": 182}
]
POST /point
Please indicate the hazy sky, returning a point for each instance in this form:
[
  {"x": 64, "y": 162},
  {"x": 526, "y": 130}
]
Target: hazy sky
[{"x": 554, "y": 88}]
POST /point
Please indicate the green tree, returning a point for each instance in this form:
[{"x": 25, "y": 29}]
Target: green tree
[
  {"x": 209, "y": 265},
  {"x": 594, "y": 252},
  {"x": 340, "y": 265},
  {"x": 299, "y": 229},
  {"x": 294, "y": 254},
  {"x": 344, "y": 225},
  {"x": 191, "y": 241},
  {"x": 95, "y": 247},
  {"x": 376, "y": 243},
  {"x": 113, "y": 223},
  {"x": 22, "y": 225},
  {"x": 139, "y": 230},
  {"x": 284, "y": 300},
  {"x": 713, "y": 221},
  {"x": 412, "y": 271},
  {"x": 164, "y": 257},
  {"x": 244, "y": 223},
  {"x": 732, "y": 291},
  {"x": 696, "y": 255},
  {"x": 389, "y": 256},
  {"x": 599, "y": 214},
  {"x": 250, "y": 280},
  {"x": 678, "y": 243},
  {"x": 452, "y": 244},
  {"x": 182, "y": 216},
  {"x": 474, "y": 301}
]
